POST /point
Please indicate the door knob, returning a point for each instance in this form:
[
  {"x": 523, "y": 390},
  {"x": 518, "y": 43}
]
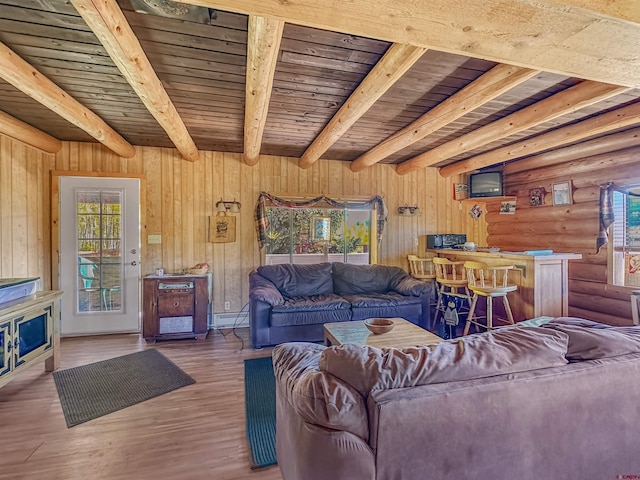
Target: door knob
[{"x": 134, "y": 263}]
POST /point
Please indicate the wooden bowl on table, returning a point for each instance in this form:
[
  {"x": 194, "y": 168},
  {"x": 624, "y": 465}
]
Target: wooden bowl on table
[{"x": 379, "y": 325}]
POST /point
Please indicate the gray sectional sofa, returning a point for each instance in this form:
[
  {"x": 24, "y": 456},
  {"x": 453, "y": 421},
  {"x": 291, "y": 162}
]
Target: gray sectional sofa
[
  {"x": 552, "y": 402},
  {"x": 292, "y": 302}
]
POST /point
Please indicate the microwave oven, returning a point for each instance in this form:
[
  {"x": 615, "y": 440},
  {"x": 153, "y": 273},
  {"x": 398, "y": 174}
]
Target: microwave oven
[{"x": 445, "y": 240}]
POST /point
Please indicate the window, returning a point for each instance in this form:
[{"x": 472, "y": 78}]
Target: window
[
  {"x": 315, "y": 235},
  {"x": 626, "y": 239},
  {"x": 99, "y": 237}
]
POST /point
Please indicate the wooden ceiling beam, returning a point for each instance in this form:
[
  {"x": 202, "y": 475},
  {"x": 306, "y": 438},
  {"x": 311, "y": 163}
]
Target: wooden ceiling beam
[
  {"x": 390, "y": 68},
  {"x": 625, "y": 9},
  {"x": 482, "y": 90},
  {"x": 598, "y": 125},
  {"x": 30, "y": 81},
  {"x": 109, "y": 24},
  {"x": 25, "y": 133},
  {"x": 263, "y": 44},
  {"x": 610, "y": 143},
  {"x": 564, "y": 102},
  {"x": 589, "y": 39}
]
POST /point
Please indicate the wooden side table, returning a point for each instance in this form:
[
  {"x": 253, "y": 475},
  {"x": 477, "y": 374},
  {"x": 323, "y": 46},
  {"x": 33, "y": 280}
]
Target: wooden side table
[{"x": 174, "y": 307}]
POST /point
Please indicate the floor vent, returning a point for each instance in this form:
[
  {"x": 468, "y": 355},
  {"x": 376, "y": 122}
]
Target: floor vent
[{"x": 231, "y": 319}]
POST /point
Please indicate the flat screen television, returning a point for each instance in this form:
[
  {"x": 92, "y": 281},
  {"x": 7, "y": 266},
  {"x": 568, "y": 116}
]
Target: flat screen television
[{"x": 485, "y": 184}]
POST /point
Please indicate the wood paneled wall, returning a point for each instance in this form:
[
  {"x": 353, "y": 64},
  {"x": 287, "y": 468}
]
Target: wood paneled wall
[
  {"x": 571, "y": 228},
  {"x": 180, "y": 196}
]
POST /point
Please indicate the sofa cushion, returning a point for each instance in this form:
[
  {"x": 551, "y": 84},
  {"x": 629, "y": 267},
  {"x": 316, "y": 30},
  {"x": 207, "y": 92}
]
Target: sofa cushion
[
  {"x": 311, "y": 310},
  {"x": 356, "y": 279},
  {"x": 299, "y": 280},
  {"x": 385, "y": 305},
  {"x": 592, "y": 340},
  {"x": 386, "y": 300},
  {"x": 497, "y": 352},
  {"x": 318, "y": 397}
]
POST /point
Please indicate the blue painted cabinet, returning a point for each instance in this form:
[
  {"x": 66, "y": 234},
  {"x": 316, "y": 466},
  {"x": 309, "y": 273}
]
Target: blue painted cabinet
[{"x": 29, "y": 333}]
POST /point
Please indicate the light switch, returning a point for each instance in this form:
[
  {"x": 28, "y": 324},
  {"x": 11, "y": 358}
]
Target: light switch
[{"x": 154, "y": 239}]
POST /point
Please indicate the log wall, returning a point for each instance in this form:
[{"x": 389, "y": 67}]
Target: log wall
[
  {"x": 571, "y": 228},
  {"x": 180, "y": 196}
]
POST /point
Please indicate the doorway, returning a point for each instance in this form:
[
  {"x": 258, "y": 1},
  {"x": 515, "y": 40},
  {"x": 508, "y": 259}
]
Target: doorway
[{"x": 99, "y": 269}]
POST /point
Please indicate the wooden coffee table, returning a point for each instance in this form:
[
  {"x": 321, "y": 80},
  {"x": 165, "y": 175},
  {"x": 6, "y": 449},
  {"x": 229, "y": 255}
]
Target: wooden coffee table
[{"x": 404, "y": 334}]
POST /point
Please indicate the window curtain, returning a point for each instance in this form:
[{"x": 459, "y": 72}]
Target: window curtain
[
  {"x": 262, "y": 222},
  {"x": 606, "y": 211}
]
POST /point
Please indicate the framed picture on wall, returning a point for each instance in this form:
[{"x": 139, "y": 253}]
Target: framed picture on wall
[
  {"x": 320, "y": 228},
  {"x": 536, "y": 196},
  {"x": 561, "y": 193}
]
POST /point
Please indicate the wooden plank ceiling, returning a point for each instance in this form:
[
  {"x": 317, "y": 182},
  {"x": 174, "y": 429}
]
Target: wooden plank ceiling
[{"x": 203, "y": 70}]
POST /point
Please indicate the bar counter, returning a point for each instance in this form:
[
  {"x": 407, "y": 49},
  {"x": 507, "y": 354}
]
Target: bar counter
[{"x": 543, "y": 280}]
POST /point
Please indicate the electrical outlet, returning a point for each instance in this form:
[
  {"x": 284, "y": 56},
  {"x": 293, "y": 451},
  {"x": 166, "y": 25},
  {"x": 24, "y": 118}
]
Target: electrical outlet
[{"x": 227, "y": 305}]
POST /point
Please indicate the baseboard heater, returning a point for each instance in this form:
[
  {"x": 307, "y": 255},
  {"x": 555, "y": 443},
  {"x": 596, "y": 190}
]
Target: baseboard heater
[{"x": 230, "y": 319}]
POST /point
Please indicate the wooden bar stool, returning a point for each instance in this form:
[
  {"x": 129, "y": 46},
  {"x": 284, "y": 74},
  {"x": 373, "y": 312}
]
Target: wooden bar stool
[
  {"x": 451, "y": 275},
  {"x": 488, "y": 282},
  {"x": 421, "y": 268}
]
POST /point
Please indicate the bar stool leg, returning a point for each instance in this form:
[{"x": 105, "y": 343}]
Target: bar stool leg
[
  {"x": 472, "y": 308},
  {"x": 507, "y": 309},
  {"x": 439, "y": 304},
  {"x": 489, "y": 313}
]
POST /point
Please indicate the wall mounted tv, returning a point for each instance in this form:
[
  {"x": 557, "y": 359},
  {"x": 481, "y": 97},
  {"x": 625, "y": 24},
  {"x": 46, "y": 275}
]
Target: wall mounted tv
[{"x": 485, "y": 184}]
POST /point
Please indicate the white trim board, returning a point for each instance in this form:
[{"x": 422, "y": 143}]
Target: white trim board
[{"x": 229, "y": 319}]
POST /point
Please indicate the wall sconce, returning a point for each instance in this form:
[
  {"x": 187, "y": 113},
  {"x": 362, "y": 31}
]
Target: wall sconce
[
  {"x": 232, "y": 207},
  {"x": 407, "y": 211}
]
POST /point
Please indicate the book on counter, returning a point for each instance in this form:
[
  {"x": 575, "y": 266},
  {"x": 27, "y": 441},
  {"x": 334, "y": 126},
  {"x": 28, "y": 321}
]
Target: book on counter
[{"x": 529, "y": 252}]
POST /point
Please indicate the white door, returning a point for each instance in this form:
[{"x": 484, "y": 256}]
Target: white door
[{"x": 99, "y": 255}]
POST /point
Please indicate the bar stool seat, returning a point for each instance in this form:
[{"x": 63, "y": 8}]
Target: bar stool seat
[{"x": 489, "y": 282}]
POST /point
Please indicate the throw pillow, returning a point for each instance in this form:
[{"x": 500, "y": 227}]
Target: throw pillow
[{"x": 498, "y": 352}]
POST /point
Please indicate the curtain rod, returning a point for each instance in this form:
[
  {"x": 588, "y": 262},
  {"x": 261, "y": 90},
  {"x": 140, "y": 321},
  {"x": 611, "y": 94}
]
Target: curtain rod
[{"x": 308, "y": 196}]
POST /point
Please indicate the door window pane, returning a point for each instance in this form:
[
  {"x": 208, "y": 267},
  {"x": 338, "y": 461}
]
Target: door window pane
[{"x": 100, "y": 267}]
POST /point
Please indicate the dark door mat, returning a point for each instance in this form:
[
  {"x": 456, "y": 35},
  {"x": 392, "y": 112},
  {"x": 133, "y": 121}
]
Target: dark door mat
[{"x": 91, "y": 391}]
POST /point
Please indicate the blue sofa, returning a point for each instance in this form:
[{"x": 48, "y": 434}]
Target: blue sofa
[{"x": 292, "y": 302}]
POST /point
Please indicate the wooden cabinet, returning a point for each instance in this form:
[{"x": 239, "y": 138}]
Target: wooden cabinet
[
  {"x": 175, "y": 307},
  {"x": 29, "y": 333}
]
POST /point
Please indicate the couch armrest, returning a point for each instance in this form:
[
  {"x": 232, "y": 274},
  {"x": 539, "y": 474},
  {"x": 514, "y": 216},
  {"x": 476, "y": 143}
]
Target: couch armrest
[
  {"x": 259, "y": 323},
  {"x": 263, "y": 289},
  {"x": 426, "y": 290},
  {"x": 407, "y": 285},
  {"x": 318, "y": 397}
]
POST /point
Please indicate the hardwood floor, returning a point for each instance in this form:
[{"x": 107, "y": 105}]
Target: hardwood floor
[{"x": 196, "y": 432}]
